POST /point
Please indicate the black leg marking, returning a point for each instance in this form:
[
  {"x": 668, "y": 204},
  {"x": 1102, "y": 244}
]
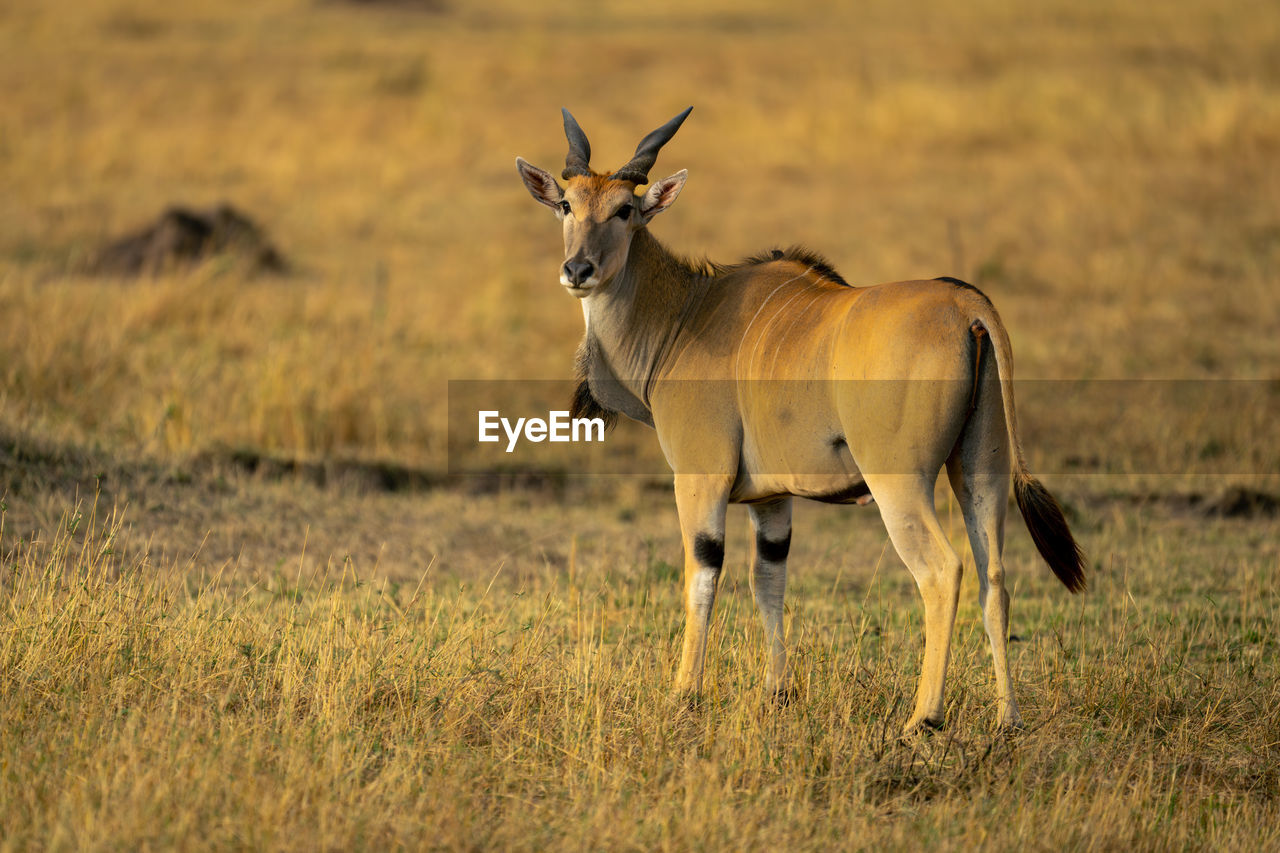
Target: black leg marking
[
  {"x": 708, "y": 551},
  {"x": 772, "y": 550}
]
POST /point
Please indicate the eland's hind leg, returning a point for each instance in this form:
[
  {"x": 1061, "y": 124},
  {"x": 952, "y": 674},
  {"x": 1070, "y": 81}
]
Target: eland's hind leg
[
  {"x": 772, "y": 522},
  {"x": 906, "y": 506},
  {"x": 980, "y": 470}
]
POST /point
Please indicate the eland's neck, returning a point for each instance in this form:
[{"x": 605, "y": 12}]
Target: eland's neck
[{"x": 635, "y": 321}]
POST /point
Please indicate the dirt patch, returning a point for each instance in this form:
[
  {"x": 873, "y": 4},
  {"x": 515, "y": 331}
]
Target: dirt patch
[
  {"x": 1232, "y": 502},
  {"x": 375, "y": 476},
  {"x": 360, "y": 475},
  {"x": 30, "y": 466},
  {"x": 183, "y": 237},
  {"x": 1241, "y": 502}
]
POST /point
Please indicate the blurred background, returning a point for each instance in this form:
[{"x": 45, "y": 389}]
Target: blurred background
[{"x": 1106, "y": 172}]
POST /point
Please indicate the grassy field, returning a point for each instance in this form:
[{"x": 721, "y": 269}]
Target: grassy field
[{"x": 243, "y": 604}]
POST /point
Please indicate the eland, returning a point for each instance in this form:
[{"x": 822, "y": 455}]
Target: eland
[{"x": 773, "y": 378}]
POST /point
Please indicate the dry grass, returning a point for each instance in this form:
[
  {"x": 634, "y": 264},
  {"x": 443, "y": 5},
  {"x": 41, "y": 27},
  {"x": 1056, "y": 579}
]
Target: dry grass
[
  {"x": 155, "y": 704},
  {"x": 246, "y": 661}
]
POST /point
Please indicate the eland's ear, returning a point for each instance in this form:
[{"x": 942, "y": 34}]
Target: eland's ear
[
  {"x": 660, "y": 195},
  {"x": 541, "y": 185}
]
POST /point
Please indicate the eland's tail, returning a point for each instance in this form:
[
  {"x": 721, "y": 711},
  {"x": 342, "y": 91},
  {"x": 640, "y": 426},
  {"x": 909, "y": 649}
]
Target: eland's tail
[{"x": 1040, "y": 510}]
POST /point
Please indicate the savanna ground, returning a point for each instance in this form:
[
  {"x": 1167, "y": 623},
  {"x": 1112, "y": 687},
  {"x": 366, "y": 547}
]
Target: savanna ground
[{"x": 243, "y": 604}]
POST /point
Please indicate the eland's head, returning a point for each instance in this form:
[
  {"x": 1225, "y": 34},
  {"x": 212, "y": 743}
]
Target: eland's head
[{"x": 602, "y": 212}]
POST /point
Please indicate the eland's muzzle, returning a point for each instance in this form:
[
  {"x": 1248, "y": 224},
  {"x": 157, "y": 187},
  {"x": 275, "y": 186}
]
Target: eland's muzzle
[{"x": 576, "y": 272}]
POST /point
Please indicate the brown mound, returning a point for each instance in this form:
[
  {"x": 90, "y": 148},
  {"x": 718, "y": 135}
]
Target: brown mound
[
  {"x": 183, "y": 237},
  {"x": 409, "y": 5}
]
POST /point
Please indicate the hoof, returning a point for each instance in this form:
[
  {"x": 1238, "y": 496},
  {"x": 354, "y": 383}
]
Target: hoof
[
  {"x": 924, "y": 726},
  {"x": 1011, "y": 727},
  {"x": 685, "y": 699}
]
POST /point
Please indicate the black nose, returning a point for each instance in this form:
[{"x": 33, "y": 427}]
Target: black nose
[{"x": 578, "y": 271}]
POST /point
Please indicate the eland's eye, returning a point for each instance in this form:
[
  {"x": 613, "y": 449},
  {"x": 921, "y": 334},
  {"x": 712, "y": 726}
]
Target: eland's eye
[
  {"x": 564, "y": 208},
  {"x": 624, "y": 212}
]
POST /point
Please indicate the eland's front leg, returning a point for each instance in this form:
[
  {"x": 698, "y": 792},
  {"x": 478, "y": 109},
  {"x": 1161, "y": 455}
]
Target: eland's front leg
[
  {"x": 772, "y": 523},
  {"x": 701, "y": 501}
]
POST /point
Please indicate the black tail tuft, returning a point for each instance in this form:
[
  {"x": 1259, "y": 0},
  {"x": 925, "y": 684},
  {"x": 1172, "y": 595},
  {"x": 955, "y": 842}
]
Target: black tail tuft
[{"x": 1049, "y": 531}]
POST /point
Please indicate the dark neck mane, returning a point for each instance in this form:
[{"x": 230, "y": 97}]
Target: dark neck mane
[{"x": 816, "y": 263}]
